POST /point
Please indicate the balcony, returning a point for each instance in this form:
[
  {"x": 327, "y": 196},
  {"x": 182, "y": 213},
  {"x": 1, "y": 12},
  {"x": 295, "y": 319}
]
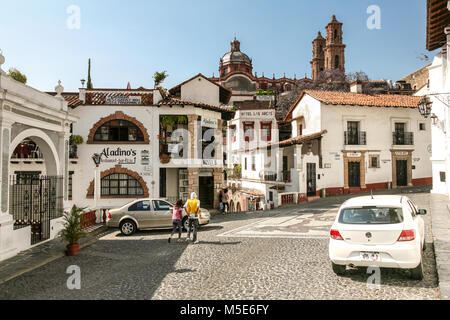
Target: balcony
[
  {"x": 355, "y": 138},
  {"x": 403, "y": 138},
  {"x": 287, "y": 176}
]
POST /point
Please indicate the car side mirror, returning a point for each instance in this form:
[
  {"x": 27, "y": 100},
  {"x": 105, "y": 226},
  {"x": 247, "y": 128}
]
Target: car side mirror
[{"x": 422, "y": 211}]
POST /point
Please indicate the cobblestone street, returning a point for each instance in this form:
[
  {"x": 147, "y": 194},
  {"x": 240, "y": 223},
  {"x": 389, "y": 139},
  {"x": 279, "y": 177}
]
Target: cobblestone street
[{"x": 278, "y": 254}]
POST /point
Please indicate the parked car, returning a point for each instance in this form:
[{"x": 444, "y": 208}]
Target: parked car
[
  {"x": 383, "y": 231},
  {"x": 147, "y": 214}
]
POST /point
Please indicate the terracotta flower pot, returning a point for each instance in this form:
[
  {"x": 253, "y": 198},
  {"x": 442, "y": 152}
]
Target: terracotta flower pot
[{"x": 72, "y": 249}]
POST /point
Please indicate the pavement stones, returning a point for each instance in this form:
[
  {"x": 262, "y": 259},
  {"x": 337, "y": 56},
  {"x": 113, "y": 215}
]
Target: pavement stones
[{"x": 43, "y": 254}]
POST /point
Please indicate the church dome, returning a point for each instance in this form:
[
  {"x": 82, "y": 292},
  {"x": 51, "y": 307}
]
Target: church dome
[
  {"x": 235, "y": 61},
  {"x": 236, "y": 56}
]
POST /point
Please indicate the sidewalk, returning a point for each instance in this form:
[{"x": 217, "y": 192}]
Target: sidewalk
[
  {"x": 44, "y": 253},
  {"x": 440, "y": 227}
]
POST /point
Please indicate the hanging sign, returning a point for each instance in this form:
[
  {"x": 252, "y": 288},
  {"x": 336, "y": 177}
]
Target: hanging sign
[{"x": 209, "y": 123}]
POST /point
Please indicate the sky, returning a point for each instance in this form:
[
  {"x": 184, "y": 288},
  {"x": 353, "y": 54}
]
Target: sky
[{"x": 128, "y": 41}]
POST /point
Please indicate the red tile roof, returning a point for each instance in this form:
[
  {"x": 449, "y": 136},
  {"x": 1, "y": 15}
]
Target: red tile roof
[
  {"x": 299, "y": 139},
  {"x": 170, "y": 101},
  {"x": 73, "y": 98},
  {"x": 99, "y": 97},
  {"x": 358, "y": 99}
]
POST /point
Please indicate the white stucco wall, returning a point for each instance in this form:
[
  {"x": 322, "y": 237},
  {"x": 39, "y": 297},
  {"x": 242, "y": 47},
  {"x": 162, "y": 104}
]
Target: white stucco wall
[{"x": 200, "y": 90}]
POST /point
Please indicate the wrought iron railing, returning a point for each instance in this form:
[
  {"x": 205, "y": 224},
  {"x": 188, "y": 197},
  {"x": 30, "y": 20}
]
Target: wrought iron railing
[
  {"x": 355, "y": 138},
  {"x": 287, "y": 176},
  {"x": 34, "y": 201},
  {"x": 88, "y": 219},
  {"x": 403, "y": 138}
]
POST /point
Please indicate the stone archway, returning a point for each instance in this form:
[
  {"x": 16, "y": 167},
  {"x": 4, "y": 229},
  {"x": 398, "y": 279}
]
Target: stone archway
[{"x": 46, "y": 145}]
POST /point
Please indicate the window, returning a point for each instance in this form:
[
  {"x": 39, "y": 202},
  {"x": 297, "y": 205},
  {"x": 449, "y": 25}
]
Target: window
[
  {"x": 422, "y": 126},
  {"x": 248, "y": 131},
  {"x": 413, "y": 209},
  {"x": 442, "y": 176},
  {"x": 245, "y": 163},
  {"x": 266, "y": 131},
  {"x": 371, "y": 215},
  {"x": 140, "y": 206},
  {"x": 233, "y": 133},
  {"x": 336, "y": 62},
  {"x": 118, "y": 130},
  {"x": 374, "y": 161},
  {"x": 300, "y": 129},
  {"x": 253, "y": 163},
  {"x": 353, "y": 133},
  {"x": 70, "y": 184},
  {"x": 120, "y": 184},
  {"x": 159, "y": 205}
]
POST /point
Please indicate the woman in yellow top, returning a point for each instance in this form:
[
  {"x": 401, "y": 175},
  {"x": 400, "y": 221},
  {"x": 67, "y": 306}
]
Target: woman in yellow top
[{"x": 192, "y": 207}]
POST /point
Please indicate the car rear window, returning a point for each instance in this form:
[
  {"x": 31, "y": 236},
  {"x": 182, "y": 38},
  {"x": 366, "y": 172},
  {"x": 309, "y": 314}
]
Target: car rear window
[{"x": 371, "y": 215}]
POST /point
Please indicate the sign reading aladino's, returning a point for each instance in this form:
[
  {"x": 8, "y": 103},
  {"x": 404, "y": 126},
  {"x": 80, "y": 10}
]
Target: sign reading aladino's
[
  {"x": 209, "y": 123},
  {"x": 119, "y": 155},
  {"x": 123, "y": 100}
]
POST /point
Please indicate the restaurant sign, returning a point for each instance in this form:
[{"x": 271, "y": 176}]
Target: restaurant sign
[
  {"x": 121, "y": 100},
  {"x": 209, "y": 123},
  {"x": 118, "y": 155}
]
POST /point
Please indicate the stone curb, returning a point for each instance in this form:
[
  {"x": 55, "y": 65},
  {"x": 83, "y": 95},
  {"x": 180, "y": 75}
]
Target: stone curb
[{"x": 89, "y": 240}]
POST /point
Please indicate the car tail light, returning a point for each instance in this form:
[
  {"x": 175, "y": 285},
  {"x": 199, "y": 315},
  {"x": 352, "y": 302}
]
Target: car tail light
[
  {"x": 334, "y": 234},
  {"x": 109, "y": 214},
  {"x": 407, "y": 235}
]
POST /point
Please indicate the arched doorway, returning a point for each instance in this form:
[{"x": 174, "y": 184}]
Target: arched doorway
[
  {"x": 232, "y": 206},
  {"x": 36, "y": 183},
  {"x": 238, "y": 207}
]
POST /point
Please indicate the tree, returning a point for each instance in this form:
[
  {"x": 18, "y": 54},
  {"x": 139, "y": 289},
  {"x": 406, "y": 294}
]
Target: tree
[
  {"x": 17, "y": 75},
  {"x": 89, "y": 81},
  {"x": 357, "y": 76},
  {"x": 159, "y": 77}
]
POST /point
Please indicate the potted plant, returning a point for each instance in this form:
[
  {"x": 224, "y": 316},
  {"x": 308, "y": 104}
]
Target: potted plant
[
  {"x": 75, "y": 140},
  {"x": 73, "y": 230}
]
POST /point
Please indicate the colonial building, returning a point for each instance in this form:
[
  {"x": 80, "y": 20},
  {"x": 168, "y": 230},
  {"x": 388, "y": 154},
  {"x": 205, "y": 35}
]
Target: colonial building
[
  {"x": 249, "y": 132},
  {"x": 343, "y": 142},
  {"x": 438, "y": 37},
  {"x": 152, "y": 144},
  {"x": 32, "y": 205}
]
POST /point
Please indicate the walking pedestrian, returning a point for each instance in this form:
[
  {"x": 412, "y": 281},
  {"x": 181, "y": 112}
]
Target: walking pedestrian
[
  {"x": 177, "y": 216},
  {"x": 192, "y": 207}
]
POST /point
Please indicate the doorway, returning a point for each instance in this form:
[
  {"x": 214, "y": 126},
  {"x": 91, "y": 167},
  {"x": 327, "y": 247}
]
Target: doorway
[
  {"x": 311, "y": 179},
  {"x": 354, "y": 174},
  {"x": 402, "y": 173},
  {"x": 206, "y": 192}
]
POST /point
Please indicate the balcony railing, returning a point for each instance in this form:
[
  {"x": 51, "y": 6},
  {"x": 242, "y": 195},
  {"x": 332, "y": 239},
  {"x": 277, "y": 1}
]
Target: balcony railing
[
  {"x": 355, "y": 138},
  {"x": 270, "y": 177},
  {"x": 287, "y": 176},
  {"x": 403, "y": 138}
]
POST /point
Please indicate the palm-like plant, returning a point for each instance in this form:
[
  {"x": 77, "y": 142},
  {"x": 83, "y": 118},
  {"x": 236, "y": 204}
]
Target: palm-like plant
[{"x": 73, "y": 229}]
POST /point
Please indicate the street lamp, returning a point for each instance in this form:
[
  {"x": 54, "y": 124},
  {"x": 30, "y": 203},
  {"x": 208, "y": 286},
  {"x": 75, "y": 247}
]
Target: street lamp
[
  {"x": 425, "y": 107},
  {"x": 97, "y": 159}
]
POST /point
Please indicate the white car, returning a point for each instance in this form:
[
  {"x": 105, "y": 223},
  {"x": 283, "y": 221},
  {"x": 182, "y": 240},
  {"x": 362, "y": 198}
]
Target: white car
[{"x": 381, "y": 231}]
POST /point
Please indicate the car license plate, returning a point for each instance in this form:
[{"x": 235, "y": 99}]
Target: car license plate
[{"x": 370, "y": 256}]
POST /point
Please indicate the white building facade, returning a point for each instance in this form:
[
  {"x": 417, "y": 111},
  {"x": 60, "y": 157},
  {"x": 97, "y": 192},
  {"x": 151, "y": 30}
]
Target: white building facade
[{"x": 32, "y": 206}]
